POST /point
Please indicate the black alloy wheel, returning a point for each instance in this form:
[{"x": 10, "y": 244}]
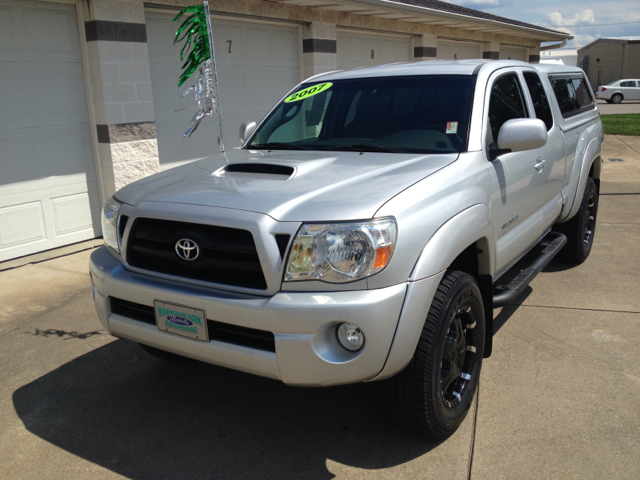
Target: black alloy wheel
[
  {"x": 590, "y": 220},
  {"x": 433, "y": 394},
  {"x": 458, "y": 360},
  {"x": 581, "y": 229}
]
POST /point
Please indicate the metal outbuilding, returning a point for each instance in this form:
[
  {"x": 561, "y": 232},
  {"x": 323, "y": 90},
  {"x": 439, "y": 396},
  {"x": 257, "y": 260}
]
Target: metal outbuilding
[{"x": 609, "y": 59}]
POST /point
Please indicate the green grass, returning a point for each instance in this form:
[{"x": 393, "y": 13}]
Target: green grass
[{"x": 623, "y": 124}]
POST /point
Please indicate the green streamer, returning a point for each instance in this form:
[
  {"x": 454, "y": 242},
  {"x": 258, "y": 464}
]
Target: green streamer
[{"x": 194, "y": 30}]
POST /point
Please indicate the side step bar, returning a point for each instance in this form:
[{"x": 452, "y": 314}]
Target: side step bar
[{"x": 510, "y": 292}]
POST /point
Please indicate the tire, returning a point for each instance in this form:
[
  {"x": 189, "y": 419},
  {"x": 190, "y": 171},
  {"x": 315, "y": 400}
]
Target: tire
[
  {"x": 166, "y": 356},
  {"x": 616, "y": 98},
  {"x": 581, "y": 229},
  {"x": 609, "y": 101},
  {"x": 430, "y": 396}
]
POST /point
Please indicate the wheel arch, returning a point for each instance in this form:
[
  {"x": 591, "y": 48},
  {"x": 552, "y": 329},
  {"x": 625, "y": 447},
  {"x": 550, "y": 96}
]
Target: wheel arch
[
  {"x": 465, "y": 242},
  {"x": 588, "y": 168}
]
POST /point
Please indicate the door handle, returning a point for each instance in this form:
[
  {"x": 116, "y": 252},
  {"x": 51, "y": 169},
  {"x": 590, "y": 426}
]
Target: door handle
[{"x": 540, "y": 165}]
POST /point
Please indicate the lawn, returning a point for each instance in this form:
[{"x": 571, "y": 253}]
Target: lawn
[{"x": 622, "y": 124}]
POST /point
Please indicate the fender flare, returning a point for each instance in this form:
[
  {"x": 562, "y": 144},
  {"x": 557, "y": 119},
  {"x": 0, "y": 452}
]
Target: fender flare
[
  {"x": 467, "y": 227},
  {"x": 452, "y": 238},
  {"x": 592, "y": 152}
]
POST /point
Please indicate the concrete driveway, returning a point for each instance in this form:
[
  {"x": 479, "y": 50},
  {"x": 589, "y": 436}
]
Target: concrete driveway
[{"x": 558, "y": 398}]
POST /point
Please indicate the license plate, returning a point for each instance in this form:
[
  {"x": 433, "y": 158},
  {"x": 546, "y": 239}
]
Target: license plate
[{"x": 180, "y": 320}]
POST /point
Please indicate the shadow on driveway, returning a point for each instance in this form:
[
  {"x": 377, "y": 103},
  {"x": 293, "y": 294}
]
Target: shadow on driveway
[{"x": 143, "y": 418}]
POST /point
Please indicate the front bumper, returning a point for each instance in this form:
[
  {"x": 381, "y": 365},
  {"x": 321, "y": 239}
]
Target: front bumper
[{"x": 303, "y": 323}]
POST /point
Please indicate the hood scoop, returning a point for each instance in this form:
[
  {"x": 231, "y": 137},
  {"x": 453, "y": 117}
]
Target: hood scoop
[{"x": 259, "y": 168}]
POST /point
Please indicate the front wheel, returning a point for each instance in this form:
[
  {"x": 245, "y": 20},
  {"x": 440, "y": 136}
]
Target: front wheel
[
  {"x": 433, "y": 394},
  {"x": 617, "y": 98}
]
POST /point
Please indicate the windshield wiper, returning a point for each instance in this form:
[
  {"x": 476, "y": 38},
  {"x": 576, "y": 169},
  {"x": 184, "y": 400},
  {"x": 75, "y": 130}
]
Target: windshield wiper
[
  {"x": 364, "y": 148},
  {"x": 274, "y": 146}
]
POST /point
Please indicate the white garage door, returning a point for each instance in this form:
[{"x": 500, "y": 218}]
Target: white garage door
[
  {"x": 364, "y": 50},
  {"x": 257, "y": 64},
  {"x": 48, "y": 189},
  {"x": 458, "y": 50},
  {"x": 513, "y": 53}
]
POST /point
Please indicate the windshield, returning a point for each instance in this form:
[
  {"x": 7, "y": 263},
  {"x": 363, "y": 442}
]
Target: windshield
[{"x": 421, "y": 114}]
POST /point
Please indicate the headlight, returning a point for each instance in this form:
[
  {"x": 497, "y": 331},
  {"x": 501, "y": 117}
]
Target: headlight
[
  {"x": 341, "y": 252},
  {"x": 110, "y": 213}
]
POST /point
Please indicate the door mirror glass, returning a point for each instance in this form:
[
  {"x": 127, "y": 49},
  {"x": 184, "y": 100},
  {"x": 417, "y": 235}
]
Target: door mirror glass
[
  {"x": 522, "y": 134},
  {"x": 246, "y": 129}
]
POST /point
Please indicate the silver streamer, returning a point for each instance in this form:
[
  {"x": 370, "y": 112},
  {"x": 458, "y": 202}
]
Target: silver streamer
[{"x": 206, "y": 97}]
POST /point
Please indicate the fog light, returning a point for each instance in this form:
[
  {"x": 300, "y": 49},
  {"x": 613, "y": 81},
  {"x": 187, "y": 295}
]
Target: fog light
[{"x": 350, "y": 336}]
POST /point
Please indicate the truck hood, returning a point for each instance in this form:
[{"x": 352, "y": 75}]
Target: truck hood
[{"x": 315, "y": 186}]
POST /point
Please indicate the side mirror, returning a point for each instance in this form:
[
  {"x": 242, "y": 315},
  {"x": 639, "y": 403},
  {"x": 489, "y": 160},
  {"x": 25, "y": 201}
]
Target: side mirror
[
  {"x": 246, "y": 129},
  {"x": 522, "y": 134}
]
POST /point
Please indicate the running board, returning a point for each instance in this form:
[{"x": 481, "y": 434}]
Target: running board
[{"x": 510, "y": 292}]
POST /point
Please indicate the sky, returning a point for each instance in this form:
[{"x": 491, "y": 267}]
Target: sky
[{"x": 566, "y": 15}]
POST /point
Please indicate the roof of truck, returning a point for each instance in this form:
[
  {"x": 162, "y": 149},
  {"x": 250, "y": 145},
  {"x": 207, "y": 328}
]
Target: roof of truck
[{"x": 437, "y": 67}]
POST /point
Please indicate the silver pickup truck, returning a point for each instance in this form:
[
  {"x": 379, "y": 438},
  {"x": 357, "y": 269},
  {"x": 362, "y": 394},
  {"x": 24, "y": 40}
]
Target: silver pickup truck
[{"x": 363, "y": 232}]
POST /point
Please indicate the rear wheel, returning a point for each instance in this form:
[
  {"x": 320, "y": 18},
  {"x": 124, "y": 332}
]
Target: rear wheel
[
  {"x": 433, "y": 394},
  {"x": 580, "y": 230},
  {"x": 616, "y": 98}
]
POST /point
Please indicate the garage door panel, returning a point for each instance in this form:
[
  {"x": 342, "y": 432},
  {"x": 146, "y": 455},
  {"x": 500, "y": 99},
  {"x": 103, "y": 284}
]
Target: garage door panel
[
  {"x": 458, "y": 50},
  {"x": 51, "y": 29},
  {"x": 17, "y": 160},
  {"x": 164, "y": 89},
  {"x": 29, "y": 226},
  {"x": 52, "y": 156},
  {"x": 71, "y": 213},
  {"x": 223, "y": 34},
  {"x": 160, "y": 39},
  {"x": 65, "y": 152},
  {"x": 21, "y": 224},
  {"x": 285, "y": 45},
  {"x": 9, "y": 41},
  {"x": 364, "y": 50},
  {"x": 513, "y": 53},
  {"x": 259, "y": 41},
  {"x": 40, "y": 94}
]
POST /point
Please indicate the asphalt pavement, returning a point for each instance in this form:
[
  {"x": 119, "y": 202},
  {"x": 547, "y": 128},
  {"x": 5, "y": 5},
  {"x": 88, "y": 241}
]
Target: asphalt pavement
[
  {"x": 557, "y": 399},
  {"x": 627, "y": 106}
]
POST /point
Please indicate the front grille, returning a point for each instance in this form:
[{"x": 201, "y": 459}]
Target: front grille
[
  {"x": 228, "y": 256},
  {"x": 221, "y": 332}
]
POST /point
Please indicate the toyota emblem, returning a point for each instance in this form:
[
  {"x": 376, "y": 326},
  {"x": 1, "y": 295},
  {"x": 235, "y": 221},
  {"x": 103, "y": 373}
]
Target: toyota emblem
[{"x": 187, "y": 249}]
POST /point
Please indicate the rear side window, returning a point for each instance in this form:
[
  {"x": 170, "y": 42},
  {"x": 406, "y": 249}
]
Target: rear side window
[
  {"x": 628, "y": 84},
  {"x": 572, "y": 94},
  {"x": 506, "y": 103},
  {"x": 539, "y": 98}
]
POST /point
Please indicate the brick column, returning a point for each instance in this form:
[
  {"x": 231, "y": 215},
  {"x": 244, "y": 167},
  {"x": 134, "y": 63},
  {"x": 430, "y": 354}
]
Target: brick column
[
  {"x": 534, "y": 55},
  {"x": 121, "y": 90},
  {"x": 425, "y": 47},
  {"x": 491, "y": 50},
  {"x": 319, "y": 47}
]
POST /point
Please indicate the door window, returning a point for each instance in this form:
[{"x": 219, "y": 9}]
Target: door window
[
  {"x": 628, "y": 84},
  {"x": 506, "y": 103},
  {"x": 539, "y": 98}
]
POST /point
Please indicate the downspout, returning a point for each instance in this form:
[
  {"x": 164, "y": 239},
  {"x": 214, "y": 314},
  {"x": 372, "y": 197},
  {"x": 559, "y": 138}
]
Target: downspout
[{"x": 553, "y": 47}]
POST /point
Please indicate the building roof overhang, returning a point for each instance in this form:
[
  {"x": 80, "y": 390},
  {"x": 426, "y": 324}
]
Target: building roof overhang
[{"x": 427, "y": 13}]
